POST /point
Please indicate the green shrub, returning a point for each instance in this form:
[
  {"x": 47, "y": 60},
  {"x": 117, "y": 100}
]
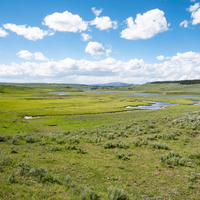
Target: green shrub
[
  {"x": 55, "y": 148},
  {"x": 115, "y": 193},
  {"x": 137, "y": 143},
  {"x": 5, "y": 161},
  {"x": 23, "y": 168},
  {"x": 67, "y": 180},
  {"x": 159, "y": 145},
  {"x": 11, "y": 178},
  {"x": 38, "y": 172},
  {"x": 73, "y": 140},
  {"x": 3, "y": 139},
  {"x": 80, "y": 150},
  {"x": 30, "y": 139},
  {"x": 50, "y": 178},
  {"x": 13, "y": 149},
  {"x": 121, "y": 156},
  {"x": 89, "y": 194},
  {"x": 109, "y": 145},
  {"x": 66, "y": 132},
  {"x": 61, "y": 141},
  {"x": 14, "y": 140},
  {"x": 111, "y": 136}
]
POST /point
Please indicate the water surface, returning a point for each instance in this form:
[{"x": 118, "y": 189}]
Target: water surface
[{"x": 154, "y": 105}]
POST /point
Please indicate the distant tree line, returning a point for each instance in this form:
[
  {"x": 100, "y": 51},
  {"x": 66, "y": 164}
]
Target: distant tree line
[{"x": 182, "y": 82}]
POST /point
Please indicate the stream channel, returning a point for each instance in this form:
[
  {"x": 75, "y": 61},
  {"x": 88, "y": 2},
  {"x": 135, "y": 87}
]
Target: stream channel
[{"x": 154, "y": 105}]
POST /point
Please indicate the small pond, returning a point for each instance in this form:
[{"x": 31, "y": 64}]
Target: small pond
[
  {"x": 30, "y": 117},
  {"x": 154, "y": 105}
]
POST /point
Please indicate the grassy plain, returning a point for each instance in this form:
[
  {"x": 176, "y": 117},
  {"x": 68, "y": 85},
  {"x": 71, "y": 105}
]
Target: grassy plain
[{"x": 90, "y": 146}]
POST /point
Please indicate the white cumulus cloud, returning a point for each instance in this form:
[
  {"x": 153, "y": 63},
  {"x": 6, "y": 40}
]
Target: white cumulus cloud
[
  {"x": 30, "y": 33},
  {"x": 195, "y": 15},
  {"x": 145, "y": 26},
  {"x": 161, "y": 57},
  {"x": 28, "y": 55},
  {"x": 180, "y": 66},
  {"x": 85, "y": 37},
  {"x": 40, "y": 56},
  {"x": 96, "y": 11},
  {"x": 184, "y": 23},
  {"x": 25, "y": 54},
  {"x": 65, "y": 22},
  {"x": 96, "y": 49},
  {"x": 104, "y": 23},
  {"x": 3, "y": 33}
]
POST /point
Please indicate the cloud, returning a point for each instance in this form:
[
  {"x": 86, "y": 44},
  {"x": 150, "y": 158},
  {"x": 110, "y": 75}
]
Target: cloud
[
  {"x": 96, "y": 12},
  {"x": 195, "y": 15},
  {"x": 27, "y": 55},
  {"x": 104, "y": 23},
  {"x": 193, "y": 8},
  {"x": 96, "y": 49},
  {"x": 145, "y": 26},
  {"x": 184, "y": 23},
  {"x": 40, "y": 56},
  {"x": 65, "y": 22},
  {"x": 30, "y": 33},
  {"x": 85, "y": 37},
  {"x": 192, "y": 0},
  {"x": 3, "y": 33},
  {"x": 161, "y": 57},
  {"x": 180, "y": 66}
]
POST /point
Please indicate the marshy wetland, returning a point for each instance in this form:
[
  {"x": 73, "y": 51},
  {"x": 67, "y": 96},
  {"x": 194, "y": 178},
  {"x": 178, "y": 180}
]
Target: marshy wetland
[{"x": 89, "y": 145}]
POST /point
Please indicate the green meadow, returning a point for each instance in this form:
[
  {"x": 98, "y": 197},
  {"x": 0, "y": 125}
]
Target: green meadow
[{"x": 89, "y": 146}]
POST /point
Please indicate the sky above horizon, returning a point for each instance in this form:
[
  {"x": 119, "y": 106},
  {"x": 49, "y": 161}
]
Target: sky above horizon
[{"x": 101, "y": 41}]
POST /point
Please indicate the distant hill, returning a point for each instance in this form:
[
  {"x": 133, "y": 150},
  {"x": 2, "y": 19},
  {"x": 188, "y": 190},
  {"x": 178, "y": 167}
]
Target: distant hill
[{"x": 112, "y": 84}]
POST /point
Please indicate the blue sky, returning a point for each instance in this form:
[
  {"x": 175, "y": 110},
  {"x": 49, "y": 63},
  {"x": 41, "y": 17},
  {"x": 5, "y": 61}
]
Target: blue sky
[{"x": 99, "y": 41}]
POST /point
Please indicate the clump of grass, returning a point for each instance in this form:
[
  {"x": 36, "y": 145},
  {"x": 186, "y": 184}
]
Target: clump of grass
[
  {"x": 195, "y": 155},
  {"x": 69, "y": 147},
  {"x": 67, "y": 180},
  {"x": 111, "y": 136},
  {"x": 137, "y": 142},
  {"x": 115, "y": 193},
  {"x": 173, "y": 158},
  {"x": 30, "y": 139},
  {"x": 14, "y": 140},
  {"x": 55, "y": 148},
  {"x": 89, "y": 194},
  {"x": 73, "y": 139},
  {"x": 159, "y": 145},
  {"x": 50, "y": 178},
  {"x": 60, "y": 141},
  {"x": 117, "y": 143},
  {"x": 193, "y": 177},
  {"x": 38, "y": 172},
  {"x": 43, "y": 143},
  {"x": 3, "y": 139},
  {"x": 121, "y": 156},
  {"x": 67, "y": 132},
  {"x": 23, "y": 168},
  {"x": 5, "y": 161},
  {"x": 11, "y": 178},
  {"x": 152, "y": 137},
  {"x": 80, "y": 150},
  {"x": 13, "y": 149}
]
